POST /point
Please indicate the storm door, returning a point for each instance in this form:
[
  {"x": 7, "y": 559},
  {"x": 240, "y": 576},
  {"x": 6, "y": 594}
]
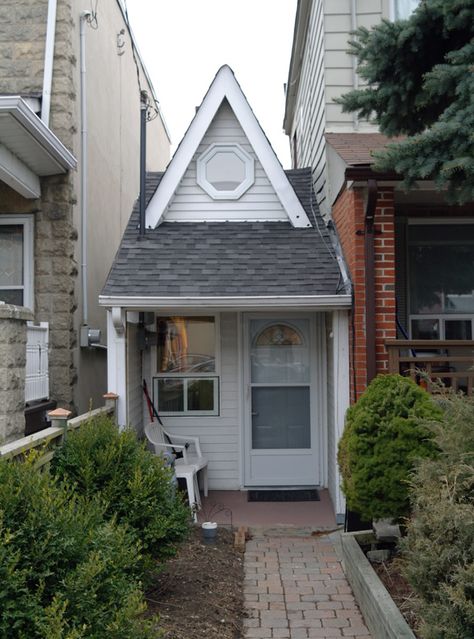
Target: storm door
[{"x": 281, "y": 442}]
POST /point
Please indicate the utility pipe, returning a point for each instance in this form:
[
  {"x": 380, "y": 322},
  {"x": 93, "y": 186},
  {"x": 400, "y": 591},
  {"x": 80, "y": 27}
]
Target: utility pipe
[
  {"x": 85, "y": 15},
  {"x": 143, "y": 114},
  {"x": 48, "y": 61},
  {"x": 370, "y": 280}
]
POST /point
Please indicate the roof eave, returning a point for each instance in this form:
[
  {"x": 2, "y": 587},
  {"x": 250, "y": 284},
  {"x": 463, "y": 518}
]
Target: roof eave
[
  {"x": 57, "y": 158},
  {"x": 299, "y": 37},
  {"x": 316, "y": 302}
]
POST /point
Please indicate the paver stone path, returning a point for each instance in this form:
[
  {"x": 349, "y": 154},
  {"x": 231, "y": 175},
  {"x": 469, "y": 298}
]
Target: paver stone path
[{"x": 295, "y": 587}]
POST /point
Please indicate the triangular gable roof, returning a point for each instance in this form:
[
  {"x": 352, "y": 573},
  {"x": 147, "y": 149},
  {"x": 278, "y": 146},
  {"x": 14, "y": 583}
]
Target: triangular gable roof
[{"x": 225, "y": 86}]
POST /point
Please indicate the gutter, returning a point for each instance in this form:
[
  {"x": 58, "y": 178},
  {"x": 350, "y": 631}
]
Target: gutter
[
  {"x": 321, "y": 302},
  {"x": 85, "y": 15},
  {"x": 48, "y": 62}
]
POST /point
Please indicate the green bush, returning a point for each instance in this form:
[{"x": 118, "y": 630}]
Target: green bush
[
  {"x": 65, "y": 572},
  {"x": 381, "y": 439},
  {"x": 133, "y": 484},
  {"x": 439, "y": 547}
]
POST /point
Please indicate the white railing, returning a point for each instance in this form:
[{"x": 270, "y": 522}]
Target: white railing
[{"x": 37, "y": 362}]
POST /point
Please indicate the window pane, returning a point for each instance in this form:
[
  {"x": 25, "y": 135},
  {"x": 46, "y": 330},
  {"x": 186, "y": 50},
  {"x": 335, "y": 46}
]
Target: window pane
[
  {"x": 170, "y": 395},
  {"x": 281, "y": 417},
  {"x": 441, "y": 269},
  {"x": 12, "y": 296},
  {"x": 200, "y": 394},
  {"x": 404, "y": 8},
  {"x": 186, "y": 345},
  {"x": 425, "y": 329},
  {"x": 11, "y": 255},
  {"x": 225, "y": 171},
  {"x": 458, "y": 329},
  {"x": 279, "y": 352}
]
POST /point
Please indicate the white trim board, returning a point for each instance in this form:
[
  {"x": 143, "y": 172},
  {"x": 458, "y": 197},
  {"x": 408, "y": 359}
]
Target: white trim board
[
  {"x": 225, "y": 86},
  {"x": 318, "y": 302}
]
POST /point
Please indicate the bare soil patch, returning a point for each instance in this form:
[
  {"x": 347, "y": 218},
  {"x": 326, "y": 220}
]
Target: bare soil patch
[
  {"x": 199, "y": 593},
  {"x": 390, "y": 573}
]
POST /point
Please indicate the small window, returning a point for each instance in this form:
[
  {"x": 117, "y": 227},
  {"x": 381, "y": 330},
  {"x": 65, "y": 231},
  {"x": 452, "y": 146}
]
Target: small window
[
  {"x": 16, "y": 260},
  {"x": 186, "y": 383},
  {"x": 404, "y": 8},
  {"x": 225, "y": 171}
]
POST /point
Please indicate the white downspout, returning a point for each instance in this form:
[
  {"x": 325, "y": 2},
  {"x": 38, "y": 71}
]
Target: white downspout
[
  {"x": 48, "y": 61},
  {"x": 82, "y": 45},
  {"x": 355, "y": 77}
]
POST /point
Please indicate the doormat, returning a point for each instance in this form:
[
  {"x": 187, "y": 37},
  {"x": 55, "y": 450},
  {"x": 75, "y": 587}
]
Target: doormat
[{"x": 307, "y": 494}]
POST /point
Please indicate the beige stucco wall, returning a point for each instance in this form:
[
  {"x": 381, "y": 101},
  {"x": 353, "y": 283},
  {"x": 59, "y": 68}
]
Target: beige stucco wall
[{"x": 113, "y": 134}]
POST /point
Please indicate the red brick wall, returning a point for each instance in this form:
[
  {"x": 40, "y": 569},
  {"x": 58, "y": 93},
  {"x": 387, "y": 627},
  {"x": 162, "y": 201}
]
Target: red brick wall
[{"x": 348, "y": 214}]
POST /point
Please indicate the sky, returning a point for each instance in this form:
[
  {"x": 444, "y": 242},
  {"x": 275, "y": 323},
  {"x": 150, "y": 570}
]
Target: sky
[{"x": 184, "y": 42}]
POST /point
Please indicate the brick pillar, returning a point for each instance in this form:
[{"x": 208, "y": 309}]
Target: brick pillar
[{"x": 349, "y": 217}]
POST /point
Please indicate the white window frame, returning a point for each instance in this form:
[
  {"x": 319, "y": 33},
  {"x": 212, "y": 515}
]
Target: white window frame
[
  {"x": 208, "y": 154},
  {"x": 214, "y": 375},
  {"x": 27, "y": 221},
  {"x": 442, "y": 318}
]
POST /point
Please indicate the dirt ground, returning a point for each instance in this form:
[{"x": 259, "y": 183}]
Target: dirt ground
[
  {"x": 199, "y": 594},
  {"x": 389, "y": 573}
]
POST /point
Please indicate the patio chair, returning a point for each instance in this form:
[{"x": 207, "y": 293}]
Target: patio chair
[{"x": 186, "y": 467}]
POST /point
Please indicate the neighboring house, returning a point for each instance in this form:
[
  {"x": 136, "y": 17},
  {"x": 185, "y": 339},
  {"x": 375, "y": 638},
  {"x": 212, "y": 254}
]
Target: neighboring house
[
  {"x": 410, "y": 255},
  {"x": 70, "y": 86},
  {"x": 232, "y": 306}
]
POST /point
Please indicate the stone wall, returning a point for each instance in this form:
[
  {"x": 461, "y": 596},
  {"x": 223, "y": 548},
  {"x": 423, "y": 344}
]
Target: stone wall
[
  {"x": 22, "y": 42},
  {"x": 12, "y": 370}
]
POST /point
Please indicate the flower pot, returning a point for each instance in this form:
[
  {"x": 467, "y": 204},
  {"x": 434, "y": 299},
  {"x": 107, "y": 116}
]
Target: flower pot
[{"x": 209, "y": 530}]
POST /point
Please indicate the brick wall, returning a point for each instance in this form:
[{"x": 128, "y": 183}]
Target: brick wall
[{"x": 348, "y": 214}]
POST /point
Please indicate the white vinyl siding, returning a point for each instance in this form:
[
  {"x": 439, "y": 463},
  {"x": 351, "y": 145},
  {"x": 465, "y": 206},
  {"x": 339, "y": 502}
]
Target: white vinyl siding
[
  {"x": 191, "y": 203},
  {"x": 219, "y": 435}
]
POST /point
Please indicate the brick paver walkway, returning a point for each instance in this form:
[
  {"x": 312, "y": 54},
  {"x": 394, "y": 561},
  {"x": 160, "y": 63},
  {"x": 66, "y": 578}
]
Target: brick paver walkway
[{"x": 295, "y": 588}]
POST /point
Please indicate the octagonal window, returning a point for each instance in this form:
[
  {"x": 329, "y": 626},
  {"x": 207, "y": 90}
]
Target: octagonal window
[{"x": 225, "y": 171}]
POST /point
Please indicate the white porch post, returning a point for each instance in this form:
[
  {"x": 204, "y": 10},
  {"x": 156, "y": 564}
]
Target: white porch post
[
  {"x": 116, "y": 360},
  {"x": 341, "y": 396}
]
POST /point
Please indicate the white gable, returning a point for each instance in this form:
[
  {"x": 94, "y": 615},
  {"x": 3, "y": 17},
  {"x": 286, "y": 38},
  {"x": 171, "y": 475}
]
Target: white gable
[
  {"x": 191, "y": 203},
  {"x": 225, "y": 116}
]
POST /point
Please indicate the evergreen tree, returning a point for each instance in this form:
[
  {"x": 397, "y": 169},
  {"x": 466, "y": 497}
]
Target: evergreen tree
[{"x": 419, "y": 76}]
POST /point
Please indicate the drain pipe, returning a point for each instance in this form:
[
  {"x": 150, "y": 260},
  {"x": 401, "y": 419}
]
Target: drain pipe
[
  {"x": 143, "y": 116},
  {"x": 48, "y": 61},
  {"x": 85, "y": 15},
  {"x": 370, "y": 279}
]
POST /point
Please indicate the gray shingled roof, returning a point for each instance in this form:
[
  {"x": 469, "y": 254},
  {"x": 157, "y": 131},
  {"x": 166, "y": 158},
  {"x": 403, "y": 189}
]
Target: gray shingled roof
[{"x": 217, "y": 259}]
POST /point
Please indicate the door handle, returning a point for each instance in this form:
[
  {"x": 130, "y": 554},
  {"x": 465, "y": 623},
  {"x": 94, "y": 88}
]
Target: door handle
[{"x": 254, "y": 414}]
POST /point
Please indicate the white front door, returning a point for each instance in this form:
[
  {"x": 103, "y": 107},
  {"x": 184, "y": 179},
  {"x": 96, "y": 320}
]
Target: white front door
[{"x": 281, "y": 438}]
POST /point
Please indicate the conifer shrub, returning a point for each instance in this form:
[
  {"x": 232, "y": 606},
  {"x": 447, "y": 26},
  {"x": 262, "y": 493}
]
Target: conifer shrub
[
  {"x": 65, "y": 572},
  {"x": 439, "y": 546},
  {"x": 132, "y": 483},
  {"x": 382, "y": 439}
]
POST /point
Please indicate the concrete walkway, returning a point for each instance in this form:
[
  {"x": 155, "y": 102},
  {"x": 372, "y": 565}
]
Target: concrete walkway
[{"x": 295, "y": 587}]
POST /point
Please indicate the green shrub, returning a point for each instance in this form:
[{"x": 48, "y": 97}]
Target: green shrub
[
  {"x": 65, "y": 572},
  {"x": 382, "y": 438},
  {"x": 133, "y": 484},
  {"x": 439, "y": 547}
]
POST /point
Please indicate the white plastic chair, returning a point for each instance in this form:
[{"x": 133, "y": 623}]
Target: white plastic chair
[{"x": 187, "y": 466}]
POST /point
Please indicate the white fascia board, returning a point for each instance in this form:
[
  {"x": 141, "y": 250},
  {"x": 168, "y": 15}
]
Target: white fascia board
[
  {"x": 318, "y": 302},
  {"x": 18, "y": 176},
  {"x": 225, "y": 86},
  {"x": 56, "y": 151}
]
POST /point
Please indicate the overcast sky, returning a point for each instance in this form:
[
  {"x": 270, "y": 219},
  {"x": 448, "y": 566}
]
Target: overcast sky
[{"x": 184, "y": 42}]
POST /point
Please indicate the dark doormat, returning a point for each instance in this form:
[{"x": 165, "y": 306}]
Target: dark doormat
[{"x": 306, "y": 494}]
